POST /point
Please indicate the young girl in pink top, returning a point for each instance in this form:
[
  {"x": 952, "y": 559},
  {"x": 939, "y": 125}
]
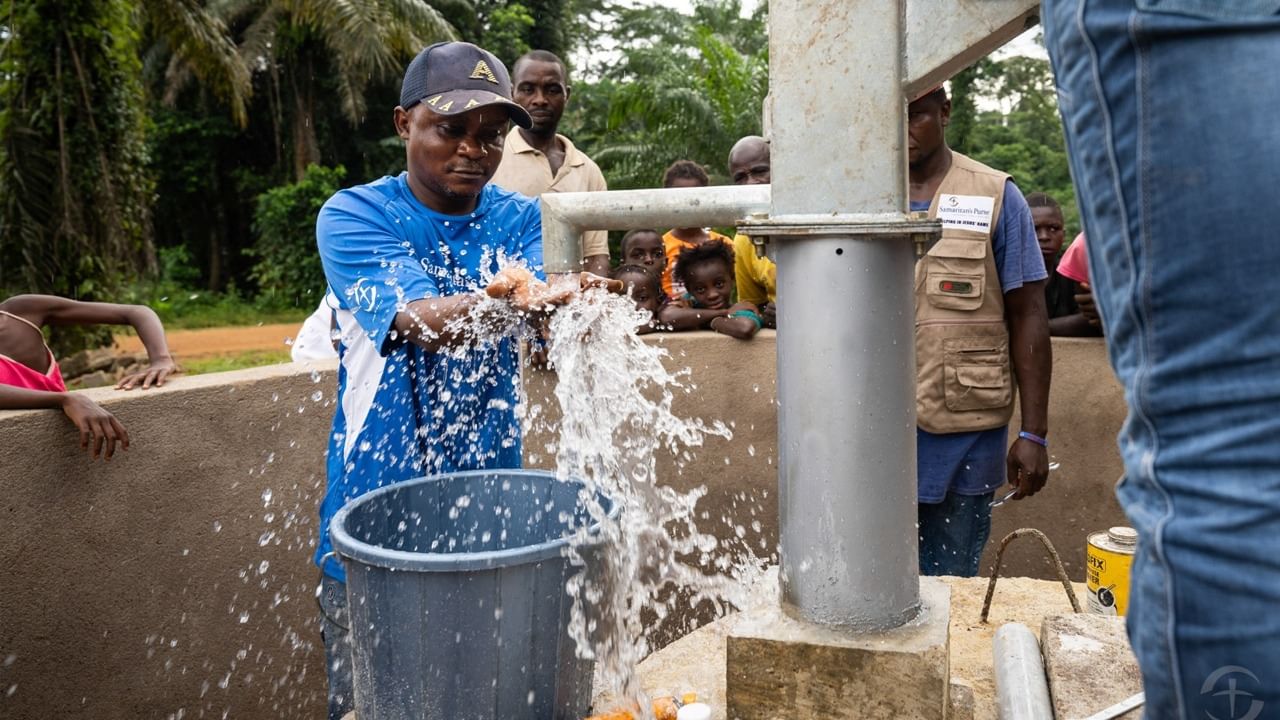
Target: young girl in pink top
[{"x": 29, "y": 374}]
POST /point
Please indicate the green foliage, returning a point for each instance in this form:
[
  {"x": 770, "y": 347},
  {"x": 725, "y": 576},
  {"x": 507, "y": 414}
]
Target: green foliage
[
  {"x": 288, "y": 270},
  {"x": 200, "y": 46},
  {"x": 1022, "y": 134},
  {"x": 510, "y": 28},
  {"x": 686, "y": 87},
  {"x": 238, "y": 361},
  {"x": 75, "y": 192},
  {"x": 507, "y": 32}
]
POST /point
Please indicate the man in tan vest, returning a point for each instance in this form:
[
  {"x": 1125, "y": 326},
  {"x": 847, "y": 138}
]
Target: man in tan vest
[
  {"x": 537, "y": 159},
  {"x": 981, "y": 330}
]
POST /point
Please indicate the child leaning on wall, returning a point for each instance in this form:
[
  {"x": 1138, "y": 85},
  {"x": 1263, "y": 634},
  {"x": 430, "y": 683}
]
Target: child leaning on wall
[
  {"x": 706, "y": 272},
  {"x": 644, "y": 287},
  {"x": 29, "y": 374}
]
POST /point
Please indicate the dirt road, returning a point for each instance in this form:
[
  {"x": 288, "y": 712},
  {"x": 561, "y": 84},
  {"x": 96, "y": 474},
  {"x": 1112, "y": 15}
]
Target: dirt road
[{"x": 191, "y": 344}]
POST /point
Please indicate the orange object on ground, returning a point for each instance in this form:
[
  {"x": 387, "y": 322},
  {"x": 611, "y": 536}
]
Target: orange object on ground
[{"x": 664, "y": 708}]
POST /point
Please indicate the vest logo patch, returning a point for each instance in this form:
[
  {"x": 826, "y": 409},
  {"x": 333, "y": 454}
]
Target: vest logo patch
[
  {"x": 966, "y": 212},
  {"x": 956, "y": 287},
  {"x": 482, "y": 72}
]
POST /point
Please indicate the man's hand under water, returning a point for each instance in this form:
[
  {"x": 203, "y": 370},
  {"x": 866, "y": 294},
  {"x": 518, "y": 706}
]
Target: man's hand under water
[{"x": 526, "y": 293}]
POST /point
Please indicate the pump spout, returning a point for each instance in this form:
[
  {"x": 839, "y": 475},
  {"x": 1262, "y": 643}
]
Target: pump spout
[{"x": 565, "y": 216}]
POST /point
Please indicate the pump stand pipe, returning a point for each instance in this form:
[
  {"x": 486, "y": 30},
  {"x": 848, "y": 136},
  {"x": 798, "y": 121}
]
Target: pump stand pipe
[
  {"x": 1022, "y": 691},
  {"x": 565, "y": 216},
  {"x": 846, "y": 414}
]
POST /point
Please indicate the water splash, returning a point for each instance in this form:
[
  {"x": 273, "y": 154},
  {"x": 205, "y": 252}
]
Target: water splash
[{"x": 615, "y": 396}]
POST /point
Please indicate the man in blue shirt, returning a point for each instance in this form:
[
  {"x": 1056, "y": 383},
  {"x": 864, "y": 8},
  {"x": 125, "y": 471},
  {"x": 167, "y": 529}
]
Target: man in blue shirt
[
  {"x": 959, "y": 471},
  {"x": 424, "y": 386}
]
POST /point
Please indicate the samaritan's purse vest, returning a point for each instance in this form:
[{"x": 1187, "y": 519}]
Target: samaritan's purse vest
[{"x": 964, "y": 381}]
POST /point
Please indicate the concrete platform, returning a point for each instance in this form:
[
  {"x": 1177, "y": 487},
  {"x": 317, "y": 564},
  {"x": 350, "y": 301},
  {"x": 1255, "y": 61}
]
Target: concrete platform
[
  {"x": 696, "y": 662},
  {"x": 1089, "y": 664},
  {"x": 780, "y": 667}
]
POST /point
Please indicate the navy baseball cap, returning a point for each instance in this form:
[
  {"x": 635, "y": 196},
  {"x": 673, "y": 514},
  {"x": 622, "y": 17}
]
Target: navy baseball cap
[{"x": 454, "y": 77}]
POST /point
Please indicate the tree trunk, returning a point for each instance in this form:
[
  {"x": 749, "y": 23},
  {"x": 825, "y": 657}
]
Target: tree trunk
[{"x": 306, "y": 146}]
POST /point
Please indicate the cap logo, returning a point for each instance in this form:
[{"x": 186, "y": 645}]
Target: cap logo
[
  {"x": 470, "y": 104},
  {"x": 445, "y": 107},
  {"x": 482, "y": 72},
  {"x": 432, "y": 101}
]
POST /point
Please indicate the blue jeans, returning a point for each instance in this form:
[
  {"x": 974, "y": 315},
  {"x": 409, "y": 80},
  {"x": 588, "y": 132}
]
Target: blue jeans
[
  {"x": 335, "y": 622},
  {"x": 953, "y": 534},
  {"x": 1169, "y": 108}
]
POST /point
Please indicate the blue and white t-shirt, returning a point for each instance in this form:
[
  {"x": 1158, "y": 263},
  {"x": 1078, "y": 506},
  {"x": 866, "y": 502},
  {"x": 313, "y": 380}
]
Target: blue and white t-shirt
[{"x": 404, "y": 411}]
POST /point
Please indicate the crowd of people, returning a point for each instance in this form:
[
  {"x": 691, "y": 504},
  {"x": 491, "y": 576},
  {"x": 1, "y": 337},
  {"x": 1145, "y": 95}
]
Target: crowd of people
[{"x": 407, "y": 259}]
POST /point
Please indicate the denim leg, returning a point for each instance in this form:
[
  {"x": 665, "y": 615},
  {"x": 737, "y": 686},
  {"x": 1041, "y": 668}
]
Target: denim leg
[
  {"x": 337, "y": 647},
  {"x": 953, "y": 534},
  {"x": 1168, "y": 109}
]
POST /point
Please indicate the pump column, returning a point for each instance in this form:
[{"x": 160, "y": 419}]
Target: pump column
[{"x": 846, "y": 368}]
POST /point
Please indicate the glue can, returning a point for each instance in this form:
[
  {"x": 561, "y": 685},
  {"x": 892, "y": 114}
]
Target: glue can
[{"x": 1109, "y": 556}]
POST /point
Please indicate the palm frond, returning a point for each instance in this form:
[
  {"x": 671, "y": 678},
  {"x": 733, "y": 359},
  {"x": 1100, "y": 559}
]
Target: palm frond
[{"x": 202, "y": 41}]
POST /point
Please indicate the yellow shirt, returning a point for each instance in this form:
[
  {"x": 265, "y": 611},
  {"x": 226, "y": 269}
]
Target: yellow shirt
[
  {"x": 756, "y": 277},
  {"x": 527, "y": 171},
  {"x": 673, "y": 245}
]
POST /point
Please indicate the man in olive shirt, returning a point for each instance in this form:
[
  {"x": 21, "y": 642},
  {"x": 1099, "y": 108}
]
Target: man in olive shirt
[{"x": 537, "y": 159}]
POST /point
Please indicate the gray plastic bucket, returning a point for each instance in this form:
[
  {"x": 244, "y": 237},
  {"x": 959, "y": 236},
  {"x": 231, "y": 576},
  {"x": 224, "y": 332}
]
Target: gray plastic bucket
[{"x": 456, "y": 589}]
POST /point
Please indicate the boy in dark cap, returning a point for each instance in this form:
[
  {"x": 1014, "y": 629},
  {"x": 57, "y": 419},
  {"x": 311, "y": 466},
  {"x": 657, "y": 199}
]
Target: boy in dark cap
[{"x": 422, "y": 387}]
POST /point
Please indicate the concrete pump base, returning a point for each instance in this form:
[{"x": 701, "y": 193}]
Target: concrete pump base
[{"x": 779, "y": 667}]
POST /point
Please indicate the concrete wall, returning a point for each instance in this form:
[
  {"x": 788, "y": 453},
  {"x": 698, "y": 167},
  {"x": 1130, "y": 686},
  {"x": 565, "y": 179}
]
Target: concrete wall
[
  {"x": 166, "y": 584},
  {"x": 1086, "y": 411},
  {"x": 735, "y": 382}
]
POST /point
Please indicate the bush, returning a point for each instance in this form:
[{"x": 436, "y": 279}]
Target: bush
[{"x": 288, "y": 270}]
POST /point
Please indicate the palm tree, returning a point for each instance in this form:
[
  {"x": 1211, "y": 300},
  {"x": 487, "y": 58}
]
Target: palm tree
[
  {"x": 296, "y": 44},
  {"x": 687, "y": 87},
  {"x": 74, "y": 192},
  {"x": 199, "y": 45}
]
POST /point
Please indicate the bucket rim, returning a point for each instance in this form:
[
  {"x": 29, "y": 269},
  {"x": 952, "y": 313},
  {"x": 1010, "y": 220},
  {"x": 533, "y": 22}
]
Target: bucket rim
[{"x": 348, "y": 547}]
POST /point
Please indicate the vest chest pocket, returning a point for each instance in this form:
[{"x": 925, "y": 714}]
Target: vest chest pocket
[
  {"x": 976, "y": 374},
  {"x": 956, "y": 273}
]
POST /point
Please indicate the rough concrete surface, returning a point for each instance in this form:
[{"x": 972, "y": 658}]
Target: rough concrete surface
[
  {"x": 1089, "y": 664},
  {"x": 1023, "y": 600},
  {"x": 697, "y": 661},
  {"x": 175, "y": 580},
  {"x": 778, "y": 667}
]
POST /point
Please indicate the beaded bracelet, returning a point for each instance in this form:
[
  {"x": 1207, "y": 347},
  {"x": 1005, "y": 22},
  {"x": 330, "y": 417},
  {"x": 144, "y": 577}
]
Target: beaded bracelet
[
  {"x": 755, "y": 318},
  {"x": 1033, "y": 438}
]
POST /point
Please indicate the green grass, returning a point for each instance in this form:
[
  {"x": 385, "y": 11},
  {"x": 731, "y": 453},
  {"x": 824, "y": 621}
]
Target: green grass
[
  {"x": 238, "y": 361},
  {"x": 186, "y": 309},
  {"x": 194, "y": 310}
]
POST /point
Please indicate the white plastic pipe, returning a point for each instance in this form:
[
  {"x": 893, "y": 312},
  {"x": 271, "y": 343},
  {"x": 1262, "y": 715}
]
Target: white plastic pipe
[{"x": 1022, "y": 692}]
